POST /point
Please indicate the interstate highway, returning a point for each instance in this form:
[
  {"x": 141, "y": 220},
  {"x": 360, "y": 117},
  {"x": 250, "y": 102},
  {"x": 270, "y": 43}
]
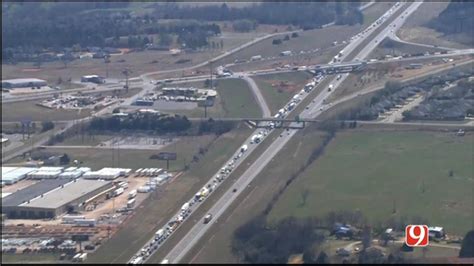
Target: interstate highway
[{"x": 199, "y": 228}]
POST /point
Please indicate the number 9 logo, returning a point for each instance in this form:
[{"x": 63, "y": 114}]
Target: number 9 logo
[{"x": 416, "y": 235}]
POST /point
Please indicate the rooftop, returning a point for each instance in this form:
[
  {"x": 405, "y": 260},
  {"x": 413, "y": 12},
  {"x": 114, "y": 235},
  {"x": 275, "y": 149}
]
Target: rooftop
[
  {"x": 17, "y": 172},
  {"x": 22, "y": 80},
  {"x": 68, "y": 193},
  {"x": 32, "y": 191}
]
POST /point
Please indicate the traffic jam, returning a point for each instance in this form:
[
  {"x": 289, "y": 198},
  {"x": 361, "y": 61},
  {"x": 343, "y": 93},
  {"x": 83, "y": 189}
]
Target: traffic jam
[{"x": 190, "y": 206}]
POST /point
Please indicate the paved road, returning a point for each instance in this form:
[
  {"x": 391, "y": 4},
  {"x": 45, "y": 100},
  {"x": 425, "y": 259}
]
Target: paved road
[
  {"x": 199, "y": 229},
  {"x": 258, "y": 96}
]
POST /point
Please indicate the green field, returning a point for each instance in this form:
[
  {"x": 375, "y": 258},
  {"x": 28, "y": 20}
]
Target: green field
[
  {"x": 158, "y": 208},
  {"x": 371, "y": 171},
  {"x": 277, "y": 97},
  {"x": 234, "y": 99}
]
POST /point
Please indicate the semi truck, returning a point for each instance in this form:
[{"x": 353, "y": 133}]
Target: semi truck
[
  {"x": 159, "y": 233},
  {"x": 185, "y": 207}
]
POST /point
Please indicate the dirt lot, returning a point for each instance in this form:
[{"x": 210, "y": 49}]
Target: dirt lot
[{"x": 416, "y": 30}]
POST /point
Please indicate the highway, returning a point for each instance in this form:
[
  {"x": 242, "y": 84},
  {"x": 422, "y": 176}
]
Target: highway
[{"x": 199, "y": 229}]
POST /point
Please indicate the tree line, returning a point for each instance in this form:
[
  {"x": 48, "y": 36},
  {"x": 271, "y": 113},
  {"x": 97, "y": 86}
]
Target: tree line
[
  {"x": 456, "y": 18},
  {"x": 29, "y": 28},
  {"x": 303, "y": 14}
]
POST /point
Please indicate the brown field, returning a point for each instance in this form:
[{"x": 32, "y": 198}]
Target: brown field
[{"x": 138, "y": 62}]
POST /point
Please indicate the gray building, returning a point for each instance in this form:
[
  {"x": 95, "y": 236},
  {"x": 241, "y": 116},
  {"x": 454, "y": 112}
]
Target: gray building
[
  {"x": 23, "y": 83},
  {"x": 49, "y": 200}
]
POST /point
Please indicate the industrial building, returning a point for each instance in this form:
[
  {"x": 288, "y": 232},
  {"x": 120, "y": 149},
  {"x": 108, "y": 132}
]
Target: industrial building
[
  {"x": 50, "y": 199},
  {"x": 46, "y": 172},
  {"x": 11, "y": 175},
  {"x": 10, "y": 202},
  {"x": 180, "y": 91},
  {"x": 107, "y": 173},
  {"x": 93, "y": 78},
  {"x": 74, "y": 172},
  {"x": 23, "y": 83}
]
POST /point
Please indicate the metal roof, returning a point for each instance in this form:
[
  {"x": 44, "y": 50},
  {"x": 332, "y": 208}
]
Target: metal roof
[
  {"x": 68, "y": 193},
  {"x": 22, "y": 80},
  {"x": 32, "y": 191}
]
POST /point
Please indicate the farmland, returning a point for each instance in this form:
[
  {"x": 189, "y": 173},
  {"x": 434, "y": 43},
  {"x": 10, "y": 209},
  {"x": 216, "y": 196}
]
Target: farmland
[{"x": 379, "y": 171}]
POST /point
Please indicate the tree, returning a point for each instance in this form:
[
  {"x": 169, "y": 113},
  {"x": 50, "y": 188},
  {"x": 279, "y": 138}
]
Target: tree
[
  {"x": 47, "y": 125},
  {"x": 276, "y": 42},
  {"x": 64, "y": 159},
  {"x": 294, "y": 35},
  {"x": 287, "y": 38},
  {"x": 366, "y": 237},
  {"x": 467, "y": 246},
  {"x": 323, "y": 258},
  {"x": 222, "y": 44}
]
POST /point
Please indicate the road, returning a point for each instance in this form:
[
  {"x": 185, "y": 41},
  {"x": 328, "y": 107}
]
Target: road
[
  {"x": 199, "y": 229},
  {"x": 258, "y": 96}
]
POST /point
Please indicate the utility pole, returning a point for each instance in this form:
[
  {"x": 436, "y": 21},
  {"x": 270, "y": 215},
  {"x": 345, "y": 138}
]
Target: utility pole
[
  {"x": 126, "y": 72},
  {"x": 107, "y": 61}
]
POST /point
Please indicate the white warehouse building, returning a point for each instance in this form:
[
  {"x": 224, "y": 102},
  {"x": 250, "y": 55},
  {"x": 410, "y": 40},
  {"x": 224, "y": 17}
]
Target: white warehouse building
[{"x": 23, "y": 83}]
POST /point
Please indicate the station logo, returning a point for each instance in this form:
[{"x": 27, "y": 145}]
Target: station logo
[{"x": 416, "y": 235}]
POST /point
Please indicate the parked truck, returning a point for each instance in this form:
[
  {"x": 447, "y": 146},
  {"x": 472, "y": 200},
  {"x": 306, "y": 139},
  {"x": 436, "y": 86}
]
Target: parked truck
[
  {"x": 118, "y": 191},
  {"x": 132, "y": 194},
  {"x": 244, "y": 148},
  {"x": 131, "y": 203}
]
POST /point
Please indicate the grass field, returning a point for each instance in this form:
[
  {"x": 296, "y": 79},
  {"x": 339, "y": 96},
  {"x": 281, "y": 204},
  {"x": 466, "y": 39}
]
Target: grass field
[
  {"x": 234, "y": 99},
  {"x": 370, "y": 171},
  {"x": 276, "y": 97},
  {"x": 29, "y": 110},
  {"x": 154, "y": 212},
  {"x": 97, "y": 158}
]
